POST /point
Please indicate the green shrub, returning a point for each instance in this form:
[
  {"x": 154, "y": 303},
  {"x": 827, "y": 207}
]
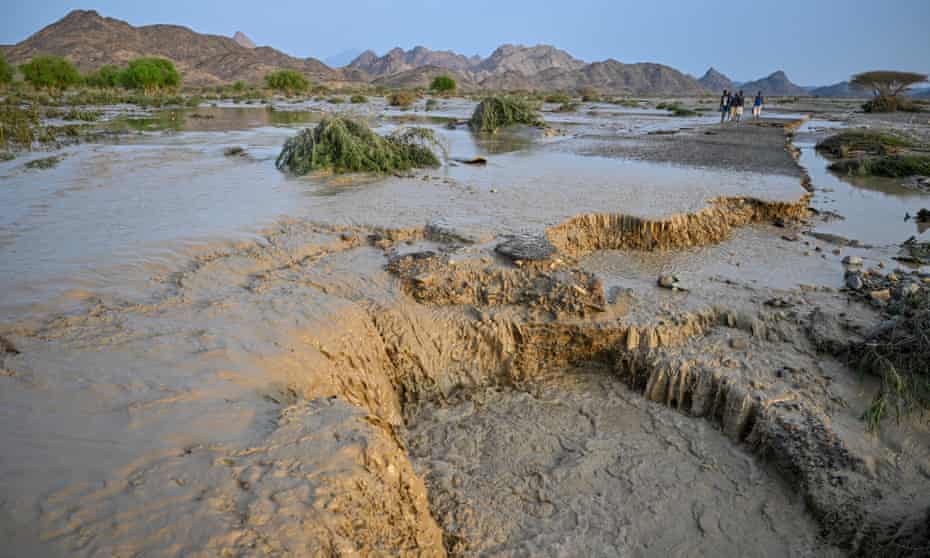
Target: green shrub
[
  {"x": 44, "y": 163},
  {"x": 431, "y": 104},
  {"x": 150, "y": 75},
  {"x": 402, "y": 98},
  {"x": 238, "y": 86},
  {"x": 342, "y": 144},
  {"x": 494, "y": 113},
  {"x": 358, "y": 99},
  {"x": 18, "y": 126},
  {"x": 106, "y": 76},
  {"x": 50, "y": 72},
  {"x": 558, "y": 98},
  {"x": 865, "y": 141},
  {"x": 887, "y": 166},
  {"x": 82, "y": 115},
  {"x": 443, "y": 84},
  {"x": 335, "y": 100},
  {"x": 6, "y": 71},
  {"x": 288, "y": 81},
  {"x": 890, "y": 104}
]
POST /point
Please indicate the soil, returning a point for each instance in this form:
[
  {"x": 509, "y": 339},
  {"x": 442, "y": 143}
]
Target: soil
[{"x": 478, "y": 362}]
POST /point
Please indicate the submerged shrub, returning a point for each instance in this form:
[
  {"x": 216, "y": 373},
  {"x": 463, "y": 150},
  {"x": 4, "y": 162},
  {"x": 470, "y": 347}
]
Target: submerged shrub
[
  {"x": 570, "y": 106},
  {"x": 358, "y": 99},
  {"x": 443, "y": 84},
  {"x": 341, "y": 144},
  {"x": 18, "y": 126},
  {"x": 150, "y": 75},
  {"x": 558, "y": 98},
  {"x": 288, "y": 81},
  {"x": 50, "y": 72},
  {"x": 402, "y": 99},
  {"x": 431, "y": 104},
  {"x": 888, "y": 166},
  {"x": 494, "y": 113}
]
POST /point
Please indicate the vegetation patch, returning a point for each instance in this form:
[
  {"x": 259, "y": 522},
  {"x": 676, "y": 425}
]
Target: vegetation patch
[
  {"x": 402, "y": 99},
  {"x": 896, "y": 166},
  {"x": 18, "y": 126},
  {"x": 287, "y": 81},
  {"x": 431, "y": 104},
  {"x": 150, "y": 75},
  {"x": 6, "y": 72},
  {"x": 443, "y": 84},
  {"x": 558, "y": 98},
  {"x": 53, "y": 73},
  {"x": 358, "y": 99},
  {"x": 570, "y": 106},
  {"x": 863, "y": 141},
  {"x": 335, "y": 100},
  {"x": 341, "y": 144},
  {"x": 44, "y": 163},
  {"x": 494, "y": 113}
]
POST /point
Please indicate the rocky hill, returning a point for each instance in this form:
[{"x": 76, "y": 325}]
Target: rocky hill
[
  {"x": 243, "y": 40},
  {"x": 90, "y": 41},
  {"x": 528, "y": 61},
  {"x": 422, "y": 77},
  {"x": 776, "y": 85},
  {"x": 397, "y": 60},
  {"x": 715, "y": 82}
]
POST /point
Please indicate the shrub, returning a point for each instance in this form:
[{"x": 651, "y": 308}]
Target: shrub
[
  {"x": 888, "y": 166},
  {"x": 558, "y": 98},
  {"x": 335, "y": 100},
  {"x": 150, "y": 75},
  {"x": 866, "y": 141},
  {"x": 6, "y": 71},
  {"x": 431, "y": 104},
  {"x": 238, "y": 86},
  {"x": 18, "y": 126},
  {"x": 890, "y": 104},
  {"x": 494, "y": 113},
  {"x": 402, "y": 99},
  {"x": 358, "y": 99},
  {"x": 106, "y": 76},
  {"x": 443, "y": 84},
  {"x": 50, "y": 72},
  {"x": 288, "y": 81},
  {"x": 569, "y": 106},
  {"x": 342, "y": 144}
]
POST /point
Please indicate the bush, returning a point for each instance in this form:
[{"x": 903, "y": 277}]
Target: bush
[
  {"x": 494, "y": 113},
  {"x": 890, "y": 104},
  {"x": 402, "y": 99},
  {"x": 238, "y": 86},
  {"x": 150, "y": 75},
  {"x": 6, "y": 71},
  {"x": 50, "y": 72},
  {"x": 889, "y": 166},
  {"x": 335, "y": 100},
  {"x": 443, "y": 84},
  {"x": 569, "y": 106},
  {"x": 431, "y": 104},
  {"x": 865, "y": 141},
  {"x": 106, "y": 76},
  {"x": 358, "y": 99},
  {"x": 558, "y": 98},
  {"x": 288, "y": 81},
  {"x": 342, "y": 144}
]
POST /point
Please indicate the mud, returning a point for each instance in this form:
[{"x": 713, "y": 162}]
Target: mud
[{"x": 390, "y": 373}]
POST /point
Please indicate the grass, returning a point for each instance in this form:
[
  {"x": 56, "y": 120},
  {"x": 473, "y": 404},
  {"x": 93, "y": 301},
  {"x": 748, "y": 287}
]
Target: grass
[
  {"x": 864, "y": 141},
  {"x": 898, "y": 355},
  {"x": 358, "y": 99},
  {"x": 82, "y": 115},
  {"x": 891, "y": 166},
  {"x": 18, "y": 126},
  {"x": 402, "y": 99},
  {"x": 335, "y": 100},
  {"x": 494, "y": 113},
  {"x": 341, "y": 144},
  {"x": 628, "y": 103},
  {"x": 676, "y": 109},
  {"x": 570, "y": 106},
  {"x": 558, "y": 98},
  {"x": 44, "y": 163}
]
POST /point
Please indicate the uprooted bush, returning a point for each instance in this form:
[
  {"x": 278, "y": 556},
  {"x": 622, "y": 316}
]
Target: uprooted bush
[
  {"x": 865, "y": 141},
  {"x": 494, "y": 113},
  {"x": 402, "y": 99},
  {"x": 341, "y": 144},
  {"x": 899, "y": 354},
  {"x": 896, "y": 166}
]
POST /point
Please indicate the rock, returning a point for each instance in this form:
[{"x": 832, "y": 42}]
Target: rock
[
  {"x": 853, "y": 260},
  {"x": 854, "y": 281},
  {"x": 739, "y": 344},
  {"x": 779, "y": 222},
  {"x": 526, "y": 247},
  {"x": 923, "y": 216},
  {"x": 837, "y": 251},
  {"x": 882, "y": 295},
  {"x": 347, "y": 236},
  {"x": 668, "y": 281},
  {"x": 906, "y": 290},
  {"x": 790, "y": 237}
]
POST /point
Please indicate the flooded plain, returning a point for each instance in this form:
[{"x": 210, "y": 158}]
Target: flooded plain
[{"x": 213, "y": 357}]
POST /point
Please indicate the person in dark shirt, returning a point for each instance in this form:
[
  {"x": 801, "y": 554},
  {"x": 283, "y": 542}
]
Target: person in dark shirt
[
  {"x": 740, "y": 101},
  {"x": 724, "y": 105},
  {"x": 757, "y": 106}
]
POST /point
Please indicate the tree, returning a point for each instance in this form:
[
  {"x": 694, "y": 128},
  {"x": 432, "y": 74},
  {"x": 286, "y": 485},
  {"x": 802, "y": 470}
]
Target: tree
[
  {"x": 107, "y": 75},
  {"x": 150, "y": 75},
  {"x": 443, "y": 84},
  {"x": 887, "y": 86},
  {"x": 50, "y": 72},
  {"x": 289, "y": 81},
  {"x": 6, "y": 71}
]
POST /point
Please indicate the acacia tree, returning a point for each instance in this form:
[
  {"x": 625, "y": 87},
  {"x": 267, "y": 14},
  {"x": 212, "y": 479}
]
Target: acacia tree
[
  {"x": 886, "y": 86},
  {"x": 50, "y": 72},
  {"x": 443, "y": 84},
  {"x": 150, "y": 75}
]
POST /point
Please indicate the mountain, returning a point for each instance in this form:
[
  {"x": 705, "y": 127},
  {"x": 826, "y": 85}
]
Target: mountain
[
  {"x": 422, "y": 77},
  {"x": 715, "y": 82},
  {"x": 397, "y": 60},
  {"x": 611, "y": 76},
  {"x": 91, "y": 41},
  {"x": 776, "y": 85},
  {"x": 343, "y": 58},
  {"x": 525, "y": 60},
  {"x": 840, "y": 89},
  {"x": 243, "y": 40}
]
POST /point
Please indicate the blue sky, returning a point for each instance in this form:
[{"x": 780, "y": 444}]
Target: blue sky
[{"x": 814, "y": 41}]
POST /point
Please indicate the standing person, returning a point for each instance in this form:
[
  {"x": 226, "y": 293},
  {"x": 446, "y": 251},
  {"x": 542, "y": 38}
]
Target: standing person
[
  {"x": 757, "y": 106},
  {"x": 724, "y": 105},
  {"x": 740, "y": 101}
]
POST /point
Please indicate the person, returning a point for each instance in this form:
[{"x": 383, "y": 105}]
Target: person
[
  {"x": 757, "y": 106},
  {"x": 724, "y": 105},
  {"x": 740, "y": 102}
]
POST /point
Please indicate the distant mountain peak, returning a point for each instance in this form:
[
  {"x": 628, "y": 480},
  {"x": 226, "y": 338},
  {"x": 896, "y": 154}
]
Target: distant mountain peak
[
  {"x": 714, "y": 81},
  {"x": 243, "y": 40}
]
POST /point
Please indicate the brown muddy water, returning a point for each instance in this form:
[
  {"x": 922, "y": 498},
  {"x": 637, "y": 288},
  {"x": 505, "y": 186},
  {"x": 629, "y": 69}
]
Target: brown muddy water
[{"x": 212, "y": 358}]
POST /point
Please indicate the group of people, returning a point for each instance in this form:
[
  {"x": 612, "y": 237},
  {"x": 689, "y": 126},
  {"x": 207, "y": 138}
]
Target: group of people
[{"x": 731, "y": 106}]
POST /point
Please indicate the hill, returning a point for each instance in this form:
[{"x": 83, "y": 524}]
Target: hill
[
  {"x": 715, "y": 82},
  {"x": 398, "y": 60},
  {"x": 90, "y": 41},
  {"x": 775, "y": 85}
]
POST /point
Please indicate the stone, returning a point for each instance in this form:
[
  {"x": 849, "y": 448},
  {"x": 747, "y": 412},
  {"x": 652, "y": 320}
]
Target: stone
[
  {"x": 526, "y": 247},
  {"x": 739, "y": 344},
  {"x": 854, "y": 281},
  {"x": 668, "y": 281},
  {"x": 853, "y": 260},
  {"x": 882, "y": 295}
]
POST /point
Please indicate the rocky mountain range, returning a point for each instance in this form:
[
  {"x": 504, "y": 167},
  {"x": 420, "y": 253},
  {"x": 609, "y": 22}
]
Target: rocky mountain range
[{"x": 91, "y": 40}]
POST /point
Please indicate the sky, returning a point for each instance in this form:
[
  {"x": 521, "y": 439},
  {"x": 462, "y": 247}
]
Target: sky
[{"x": 815, "y": 41}]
